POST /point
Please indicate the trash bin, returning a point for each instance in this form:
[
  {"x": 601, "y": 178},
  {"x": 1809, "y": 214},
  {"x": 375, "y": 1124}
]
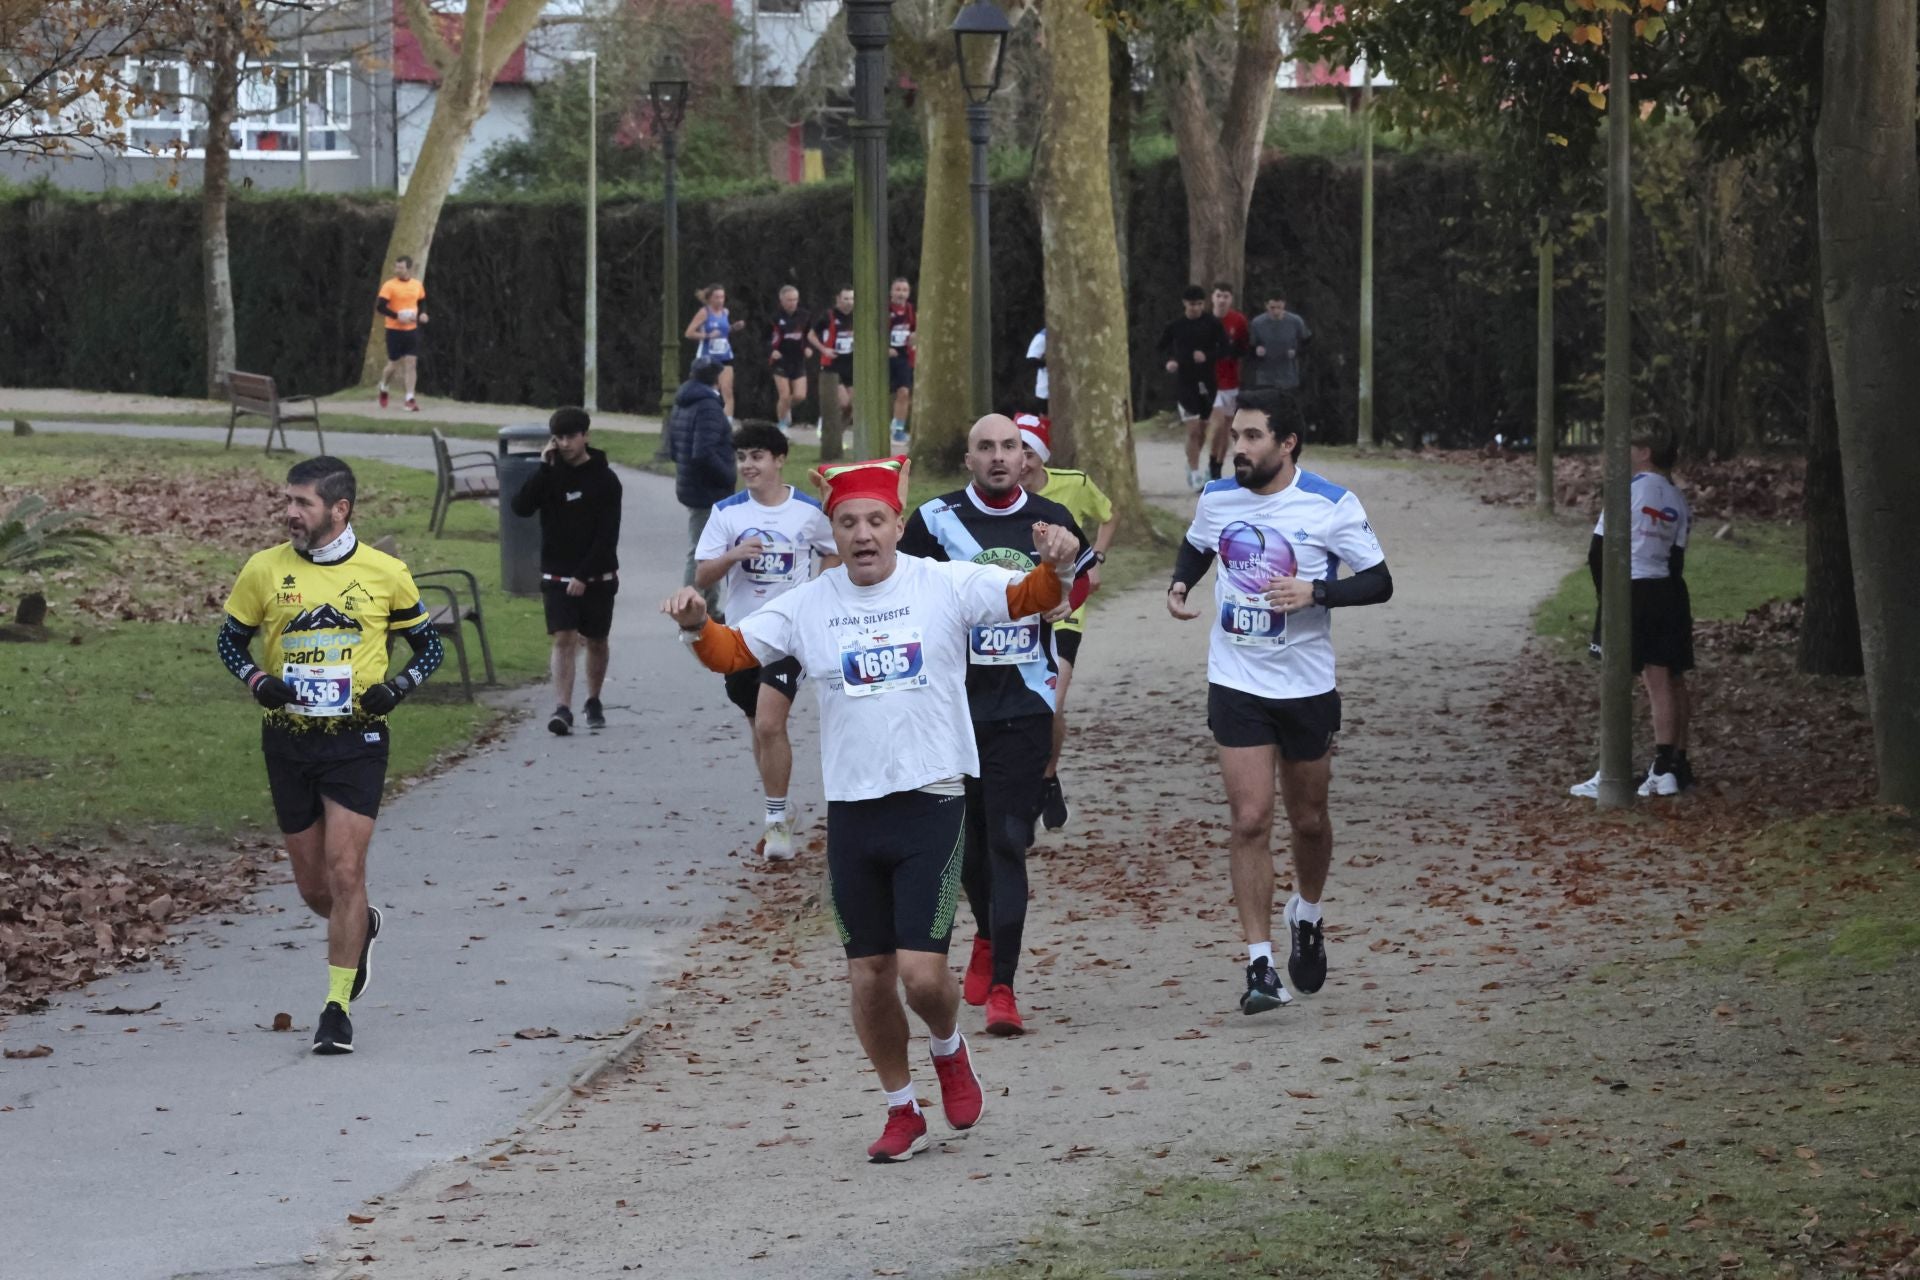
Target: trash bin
[{"x": 520, "y": 447}]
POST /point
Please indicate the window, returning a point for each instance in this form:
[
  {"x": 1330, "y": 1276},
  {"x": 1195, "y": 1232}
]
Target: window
[{"x": 266, "y": 125}]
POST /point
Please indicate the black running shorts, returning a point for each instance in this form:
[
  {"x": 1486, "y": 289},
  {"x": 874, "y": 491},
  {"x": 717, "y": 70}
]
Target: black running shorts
[
  {"x": 899, "y": 372},
  {"x": 348, "y": 767},
  {"x": 790, "y": 367},
  {"x": 1194, "y": 396},
  {"x": 1066, "y": 644},
  {"x": 590, "y": 614},
  {"x": 402, "y": 343},
  {"x": 1662, "y": 625},
  {"x": 743, "y": 687},
  {"x": 893, "y": 868},
  {"x": 1302, "y": 728}
]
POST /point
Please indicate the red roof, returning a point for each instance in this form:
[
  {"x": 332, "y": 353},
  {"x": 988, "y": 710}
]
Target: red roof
[{"x": 410, "y": 62}]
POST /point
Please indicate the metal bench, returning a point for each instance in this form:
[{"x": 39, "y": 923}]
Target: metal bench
[
  {"x": 450, "y": 615},
  {"x": 254, "y": 393},
  {"x": 470, "y": 476}
]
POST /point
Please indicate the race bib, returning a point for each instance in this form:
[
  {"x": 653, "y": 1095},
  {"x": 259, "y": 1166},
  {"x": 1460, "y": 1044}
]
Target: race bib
[
  {"x": 1003, "y": 644},
  {"x": 322, "y": 690},
  {"x": 899, "y": 335},
  {"x": 881, "y": 662},
  {"x": 843, "y": 344},
  {"x": 775, "y": 564},
  {"x": 720, "y": 348},
  {"x": 1250, "y": 620},
  {"x": 407, "y": 314}
]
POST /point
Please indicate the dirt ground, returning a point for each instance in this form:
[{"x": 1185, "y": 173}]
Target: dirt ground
[{"x": 733, "y": 1145}]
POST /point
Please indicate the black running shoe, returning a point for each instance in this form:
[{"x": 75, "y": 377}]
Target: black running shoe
[
  {"x": 596, "y": 714},
  {"x": 365, "y": 971},
  {"x": 1263, "y": 991},
  {"x": 1683, "y": 770},
  {"x": 562, "y": 721},
  {"x": 1307, "y": 963},
  {"x": 1053, "y": 805},
  {"x": 335, "y": 1032}
]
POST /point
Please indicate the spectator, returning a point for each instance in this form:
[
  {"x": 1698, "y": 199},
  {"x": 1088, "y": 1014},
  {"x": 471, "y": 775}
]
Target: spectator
[{"x": 701, "y": 440}]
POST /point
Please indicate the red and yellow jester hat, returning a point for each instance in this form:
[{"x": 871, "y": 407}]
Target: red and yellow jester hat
[{"x": 882, "y": 479}]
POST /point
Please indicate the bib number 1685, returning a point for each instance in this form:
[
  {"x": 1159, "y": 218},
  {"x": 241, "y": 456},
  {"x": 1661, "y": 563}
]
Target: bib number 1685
[{"x": 883, "y": 664}]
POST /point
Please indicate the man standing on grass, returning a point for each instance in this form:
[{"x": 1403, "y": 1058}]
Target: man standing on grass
[
  {"x": 327, "y": 606},
  {"x": 400, "y": 302},
  {"x": 577, "y": 497}
]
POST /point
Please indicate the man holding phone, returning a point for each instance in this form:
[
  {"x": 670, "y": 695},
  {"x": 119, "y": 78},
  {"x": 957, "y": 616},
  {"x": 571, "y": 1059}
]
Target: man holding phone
[{"x": 577, "y": 497}]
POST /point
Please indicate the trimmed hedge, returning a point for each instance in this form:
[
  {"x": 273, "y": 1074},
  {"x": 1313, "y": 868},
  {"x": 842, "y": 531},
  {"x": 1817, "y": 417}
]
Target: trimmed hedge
[{"x": 104, "y": 293}]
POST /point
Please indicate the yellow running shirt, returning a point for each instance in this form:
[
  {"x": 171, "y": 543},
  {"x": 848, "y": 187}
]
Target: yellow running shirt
[
  {"x": 324, "y": 627},
  {"x": 1090, "y": 509}
]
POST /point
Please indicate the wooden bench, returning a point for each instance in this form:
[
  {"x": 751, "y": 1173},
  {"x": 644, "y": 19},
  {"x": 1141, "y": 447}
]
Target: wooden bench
[
  {"x": 254, "y": 393},
  {"x": 470, "y": 476}
]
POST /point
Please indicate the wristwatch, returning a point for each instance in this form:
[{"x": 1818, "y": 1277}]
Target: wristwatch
[
  {"x": 692, "y": 637},
  {"x": 1320, "y": 592},
  {"x": 1099, "y": 557}
]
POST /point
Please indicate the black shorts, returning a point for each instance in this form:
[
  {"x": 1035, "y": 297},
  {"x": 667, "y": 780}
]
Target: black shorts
[
  {"x": 841, "y": 368},
  {"x": 402, "y": 342},
  {"x": 590, "y": 614},
  {"x": 893, "y": 871},
  {"x": 1194, "y": 397},
  {"x": 1302, "y": 728},
  {"x": 348, "y": 767},
  {"x": 1662, "y": 625},
  {"x": 899, "y": 372},
  {"x": 743, "y": 687},
  {"x": 790, "y": 367},
  {"x": 1066, "y": 644}
]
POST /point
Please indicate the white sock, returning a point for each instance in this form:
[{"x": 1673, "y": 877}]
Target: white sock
[
  {"x": 945, "y": 1048},
  {"x": 903, "y": 1097},
  {"x": 1260, "y": 951},
  {"x": 776, "y": 810},
  {"x": 1305, "y": 912},
  {"x": 383, "y": 386}
]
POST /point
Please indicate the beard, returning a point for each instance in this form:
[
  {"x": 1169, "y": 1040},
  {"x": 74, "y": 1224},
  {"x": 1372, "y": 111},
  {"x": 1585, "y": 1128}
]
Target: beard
[
  {"x": 1253, "y": 477},
  {"x": 312, "y": 538}
]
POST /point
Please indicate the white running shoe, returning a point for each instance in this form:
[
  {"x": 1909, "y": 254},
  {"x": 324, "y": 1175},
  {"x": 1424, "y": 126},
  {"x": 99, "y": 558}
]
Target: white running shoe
[
  {"x": 1196, "y": 480},
  {"x": 1588, "y": 790},
  {"x": 1660, "y": 784},
  {"x": 777, "y": 844}
]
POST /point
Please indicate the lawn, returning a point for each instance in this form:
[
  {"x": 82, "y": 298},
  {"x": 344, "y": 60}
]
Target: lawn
[{"x": 130, "y": 694}]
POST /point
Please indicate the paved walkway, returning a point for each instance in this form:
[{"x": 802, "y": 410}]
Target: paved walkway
[{"x": 542, "y": 883}]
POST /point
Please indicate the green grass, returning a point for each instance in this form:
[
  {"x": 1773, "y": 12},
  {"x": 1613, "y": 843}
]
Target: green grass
[
  {"x": 1725, "y": 578},
  {"x": 130, "y": 725}
]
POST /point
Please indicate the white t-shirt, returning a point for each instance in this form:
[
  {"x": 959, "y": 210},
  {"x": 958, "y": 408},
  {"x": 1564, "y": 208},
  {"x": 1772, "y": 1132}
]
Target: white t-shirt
[
  {"x": 890, "y": 664},
  {"x": 794, "y": 535},
  {"x": 1306, "y": 531},
  {"x": 1037, "y": 350},
  {"x": 1661, "y": 521}
]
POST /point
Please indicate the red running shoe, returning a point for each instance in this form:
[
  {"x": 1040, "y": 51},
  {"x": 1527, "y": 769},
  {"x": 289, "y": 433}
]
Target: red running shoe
[
  {"x": 906, "y": 1133},
  {"x": 412, "y": 405},
  {"x": 979, "y": 973},
  {"x": 961, "y": 1095},
  {"x": 383, "y": 397},
  {"x": 1003, "y": 1015}
]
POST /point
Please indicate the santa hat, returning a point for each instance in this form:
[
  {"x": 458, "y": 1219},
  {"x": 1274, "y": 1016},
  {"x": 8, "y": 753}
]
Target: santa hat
[
  {"x": 1036, "y": 433},
  {"x": 882, "y": 479}
]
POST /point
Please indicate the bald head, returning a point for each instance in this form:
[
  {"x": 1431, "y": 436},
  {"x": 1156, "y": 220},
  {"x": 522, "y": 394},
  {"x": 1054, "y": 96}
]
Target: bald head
[{"x": 995, "y": 456}]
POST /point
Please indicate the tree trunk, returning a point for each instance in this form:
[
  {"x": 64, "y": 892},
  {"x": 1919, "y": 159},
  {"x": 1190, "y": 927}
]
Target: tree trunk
[
  {"x": 1219, "y": 149},
  {"x": 1120, "y": 142},
  {"x": 1870, "y": 263},
  {"x": 1829, "y": 623},
  {"x": 1086, "y": 321},
  {"x": 216, "y": 270},
  {"x": 941, "y": 416}
]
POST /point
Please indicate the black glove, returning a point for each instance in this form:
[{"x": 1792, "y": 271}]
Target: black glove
[
  {"x": 382, "y": 698},
  {"x": 273, "y": 693}
]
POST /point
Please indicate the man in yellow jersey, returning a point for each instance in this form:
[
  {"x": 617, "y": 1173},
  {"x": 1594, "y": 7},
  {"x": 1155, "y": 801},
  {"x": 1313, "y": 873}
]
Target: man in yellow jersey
[
  {"x": 325, "y": 606},
  {"x": 399, "y": 302},
  {"x": 1091, "y": 510}
]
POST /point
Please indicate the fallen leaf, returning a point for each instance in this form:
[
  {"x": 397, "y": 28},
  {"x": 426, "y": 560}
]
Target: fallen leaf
[
  {"x": 458, "y": 1191},
  {"x": 38, "y": 1051},
  {"x": 535, "y": 1033},
  {"x": 283, "y": 1022}
]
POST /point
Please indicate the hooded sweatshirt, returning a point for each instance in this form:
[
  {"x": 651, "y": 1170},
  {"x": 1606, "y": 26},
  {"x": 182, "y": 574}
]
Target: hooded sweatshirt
[{"x": 579, "y": 509}]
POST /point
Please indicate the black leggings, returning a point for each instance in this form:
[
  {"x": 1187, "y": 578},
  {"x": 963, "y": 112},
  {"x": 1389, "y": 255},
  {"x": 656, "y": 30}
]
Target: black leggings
[
  {"x": 1002, "y": 804},
  {"x": 893, "y": 871}
]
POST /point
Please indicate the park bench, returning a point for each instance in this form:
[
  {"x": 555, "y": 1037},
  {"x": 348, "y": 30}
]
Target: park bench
[
  {"x": 450, "y": 612},
  {"x": 470, "y": 476},
  {"x": 254, "y": 393}
]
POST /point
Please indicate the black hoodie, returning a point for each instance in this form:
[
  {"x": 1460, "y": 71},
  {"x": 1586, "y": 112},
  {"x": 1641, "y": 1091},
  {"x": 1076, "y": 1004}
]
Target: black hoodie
[{"x": 579, "y": 516}]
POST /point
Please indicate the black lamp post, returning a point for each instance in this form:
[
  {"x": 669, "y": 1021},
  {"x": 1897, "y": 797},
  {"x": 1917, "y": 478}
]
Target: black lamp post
[
  {"x": 980, "y": 40},
  {"x": 869, "y": 26},
  {"x": 667, "y": 91}
]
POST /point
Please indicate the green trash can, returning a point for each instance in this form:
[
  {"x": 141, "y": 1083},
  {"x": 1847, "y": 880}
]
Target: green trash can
[{"x": 520, "y": 447}]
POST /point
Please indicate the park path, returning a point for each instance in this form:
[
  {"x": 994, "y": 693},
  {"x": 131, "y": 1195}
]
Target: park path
[
  {"x": 542, "y": 883},
  {"x": 732, "y": 1145}
]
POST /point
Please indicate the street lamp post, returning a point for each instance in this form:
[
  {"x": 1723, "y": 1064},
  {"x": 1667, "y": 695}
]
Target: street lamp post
[
  {"x": 667, "y": 90},
  {"x": 979, "y": 39},
  {"x": 590, "y": 370},
  {"x": 869, "y": 23}
]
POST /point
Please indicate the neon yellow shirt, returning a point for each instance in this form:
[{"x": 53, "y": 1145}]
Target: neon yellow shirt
[{"x": 1089, "y": 507}]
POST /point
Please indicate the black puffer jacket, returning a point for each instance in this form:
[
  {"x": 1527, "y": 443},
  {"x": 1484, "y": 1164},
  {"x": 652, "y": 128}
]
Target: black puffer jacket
[{"x": 701, "y": 441}]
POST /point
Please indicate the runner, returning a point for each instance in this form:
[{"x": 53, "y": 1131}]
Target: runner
[
  {"x": 787, "y": 341},
  {"x": 903, "y": 350},
  {"x": 399, "y": 302},
  {"x": 1037, "y": 361},
  {"x": 832, "y": 339},
  {"x": 1282, "y": 534},
  {"x": 1226, "y": 375},
  {"x": 1279, "y": 336},
  {"x": 577, "y": 497},
  {"x": 1010, "y": 675},
  {"x": 327, "y": 606},
  {"x": 1090, "y": 509},
  {"x": 887, "y": 636},
  {"x": 1192, "y": 344},
  {"x": 712, "y": 324},
  {"x": 762, "y": 543},
  {"x": 1662, "y": 613}
]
